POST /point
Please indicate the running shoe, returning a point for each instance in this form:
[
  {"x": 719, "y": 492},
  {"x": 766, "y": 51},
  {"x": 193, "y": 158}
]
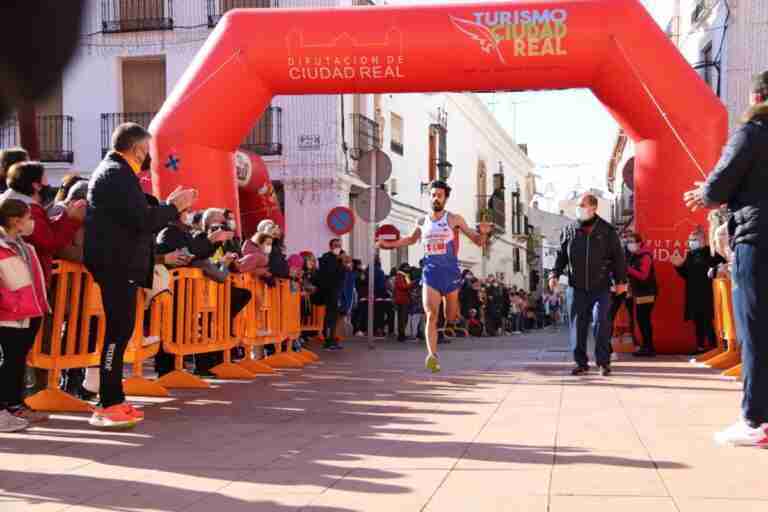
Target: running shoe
[
  {"x": 432, "y": 364},
  {"x": 11, "y": 423},
  {"x": 580, "y": 370},
  {"x": 116, "y": 416},
  {"x": 741, "y": 434},
  {"x": 605, "y": 371}
]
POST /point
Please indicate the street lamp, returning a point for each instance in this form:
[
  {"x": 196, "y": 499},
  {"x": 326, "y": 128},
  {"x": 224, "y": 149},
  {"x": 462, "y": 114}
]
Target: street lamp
[{"x": 444, "y": 170}]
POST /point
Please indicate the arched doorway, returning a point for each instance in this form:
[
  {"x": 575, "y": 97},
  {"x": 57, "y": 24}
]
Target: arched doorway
[{"x": 612, "y": 47}]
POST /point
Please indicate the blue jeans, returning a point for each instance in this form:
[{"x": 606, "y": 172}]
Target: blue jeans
[
  {"x": 582, "y": 306},
  {"x": 750, "y": 293}
]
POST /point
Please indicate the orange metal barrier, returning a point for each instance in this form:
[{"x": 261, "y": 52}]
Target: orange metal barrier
[
  {"x": 254, "y": 326},
  {"x": 314, "y": 323},
  {"x": 731, "y": 357},
  {"x": 199, "y": 323},
  {"x": 720, "y": 295},
  {"x": 65, "y": 340},
  {"x": 138, "y": 351}
]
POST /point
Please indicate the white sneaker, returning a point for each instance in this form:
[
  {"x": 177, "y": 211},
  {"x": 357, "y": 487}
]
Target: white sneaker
[
  {"x": 741, "y": 434},
  {"x": 614, "y": 357},
  {"x": 359, "y": 334},
  {"x": 11, "y": 423}
]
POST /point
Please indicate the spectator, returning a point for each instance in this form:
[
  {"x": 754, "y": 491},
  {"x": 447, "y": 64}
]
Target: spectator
[
  {"x": 218, "y": 267},
  {"x": 119, "y": 252},
  {"x": 474, "y": 325},
  {"x": 331, "y": 282},
  {"x": 8, "y": 157},
  {"x": 256, "y": 252},
  {"x": 416, "y": 309},
  {"x": 78, "y": 191},
  {"x": 348, "y": 297},
  {"x": 494, "y": 307},
  {"x": 27, "y": 182},
  {"x": 642, "y": 280},
  {"x": 278, "y": 263},
  {"x": 23, "y": 302},
  {"x": 591, "y": 250},
  {"x": 740, "y": 180},
  {"x": 402, "y": 299},
  {"x": 696, "y": 270},
  {"x": 469, "y": 297},
  {"x": 516, "y": 312}
]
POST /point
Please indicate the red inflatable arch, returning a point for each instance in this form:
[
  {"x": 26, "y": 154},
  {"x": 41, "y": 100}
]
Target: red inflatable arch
[{"x": 612, "y": 47}]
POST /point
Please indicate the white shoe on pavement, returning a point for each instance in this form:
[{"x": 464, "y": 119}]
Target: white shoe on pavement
[
  {"x": 741, "y": 434},
  {"x": 11, "y": 423},
  {"x": 614, "y": 357}
]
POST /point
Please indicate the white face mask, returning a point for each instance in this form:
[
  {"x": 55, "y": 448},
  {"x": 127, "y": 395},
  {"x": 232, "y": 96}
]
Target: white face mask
[
  {"x": 583, "y": 214},
  {"x": 267, "y": 249},
  {"x": 632, "y": 247},
  {"x": 232, "y": 225},
  {"x": 337, "y": 251},
  {"x": 694, "y": 245}
]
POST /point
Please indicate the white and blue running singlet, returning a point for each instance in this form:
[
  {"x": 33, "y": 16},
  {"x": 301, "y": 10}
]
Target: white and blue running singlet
[{"x": 441, "y": 263}]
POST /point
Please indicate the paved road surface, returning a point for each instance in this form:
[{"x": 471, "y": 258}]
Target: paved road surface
[{"x": 501, "y": 429}]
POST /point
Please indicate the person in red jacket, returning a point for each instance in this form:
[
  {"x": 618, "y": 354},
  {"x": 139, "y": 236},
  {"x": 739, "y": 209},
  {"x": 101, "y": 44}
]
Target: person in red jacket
[
  {"x": 642, "y": 283},
  {"x": 28, "y": 183},
  {"x": 402, "y": 299},
  {"x": 23, "y": 302}
]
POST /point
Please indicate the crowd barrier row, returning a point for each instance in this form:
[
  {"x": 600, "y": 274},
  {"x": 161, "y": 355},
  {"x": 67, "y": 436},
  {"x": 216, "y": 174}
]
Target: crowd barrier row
[
  {"x": 192, "y": 318},
  {"x": 727, "y": 355}
]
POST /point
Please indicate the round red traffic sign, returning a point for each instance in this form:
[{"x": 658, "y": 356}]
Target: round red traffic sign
[
  {"x": 388, "y": 233},
  {"x": 341, "y": 220}
]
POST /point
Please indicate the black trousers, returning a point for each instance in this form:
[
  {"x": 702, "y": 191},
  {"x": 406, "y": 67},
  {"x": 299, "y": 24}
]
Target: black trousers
[
  {"x": 705, "y": 331},
  {"x": 402, "y": 319},
  {"x": 331, "y": 314},
  {"x": 14, "y": 348},
  {"x": 204, "y": 362},
  {"x": 644, "y": 312},
  {"x": 119, "y": 299}
]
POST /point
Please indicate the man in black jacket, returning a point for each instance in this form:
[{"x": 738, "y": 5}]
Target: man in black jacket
[
  {"x": 591, "y": 251},
  {"x": 331, "y": 279},
  {"x": 740, "y": 179},
  {"x": 120, "y": 226}
]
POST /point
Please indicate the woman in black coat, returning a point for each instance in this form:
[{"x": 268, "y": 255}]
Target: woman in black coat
[{"x": 697, "y": 270}]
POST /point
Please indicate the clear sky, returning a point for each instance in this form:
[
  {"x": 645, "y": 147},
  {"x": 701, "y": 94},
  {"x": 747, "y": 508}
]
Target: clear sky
[{"x": 569, "y": 134}]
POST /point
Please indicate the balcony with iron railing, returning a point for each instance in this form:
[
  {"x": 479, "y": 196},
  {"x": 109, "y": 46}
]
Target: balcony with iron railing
[
  {"x": 492, "y": 209},
  {"x": 218, "y": 8},
  {"x": 112, "y": 120},
  {"x": 266, "y": 138},
  {"x": 54, "y": 133},
  {"x": 365, "y": 135},
  {"x": 136, "y": 15}
]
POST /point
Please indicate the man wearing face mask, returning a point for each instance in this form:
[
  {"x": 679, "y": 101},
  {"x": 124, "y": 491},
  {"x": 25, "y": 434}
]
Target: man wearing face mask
[
  {"x": 591, "y": 252},
  {"x": 330, "y": 282},
  {"x": 696, "y": 269},
  {"x": 120, "y": 228}
]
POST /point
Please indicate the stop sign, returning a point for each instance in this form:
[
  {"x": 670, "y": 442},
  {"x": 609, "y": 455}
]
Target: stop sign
[{"x": 388, "y": 233}]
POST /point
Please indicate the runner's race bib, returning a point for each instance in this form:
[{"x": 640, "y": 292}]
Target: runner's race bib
[{"x": 436, "y": 248}]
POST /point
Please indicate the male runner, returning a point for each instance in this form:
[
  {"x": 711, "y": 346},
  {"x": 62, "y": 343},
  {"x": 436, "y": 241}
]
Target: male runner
[{"x": 441, "y": 275}]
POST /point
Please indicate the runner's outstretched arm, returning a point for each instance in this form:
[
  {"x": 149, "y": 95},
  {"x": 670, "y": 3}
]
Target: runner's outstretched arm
[
  {"x": 477, "y": 237},
  {"x": 413, "y": 238}
]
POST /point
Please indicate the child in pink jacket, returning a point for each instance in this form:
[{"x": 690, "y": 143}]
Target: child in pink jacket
[{"x": 23, "y": 302}]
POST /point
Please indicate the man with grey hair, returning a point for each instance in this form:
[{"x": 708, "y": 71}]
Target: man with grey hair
[{"x": 591, "y": 253}]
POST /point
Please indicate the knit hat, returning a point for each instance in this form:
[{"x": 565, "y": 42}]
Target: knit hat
[{"x": 265, "y": 226}]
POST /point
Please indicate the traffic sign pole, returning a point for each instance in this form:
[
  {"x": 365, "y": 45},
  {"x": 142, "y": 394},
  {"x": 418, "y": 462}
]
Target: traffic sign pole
[{"x": 371, "y": 266}]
